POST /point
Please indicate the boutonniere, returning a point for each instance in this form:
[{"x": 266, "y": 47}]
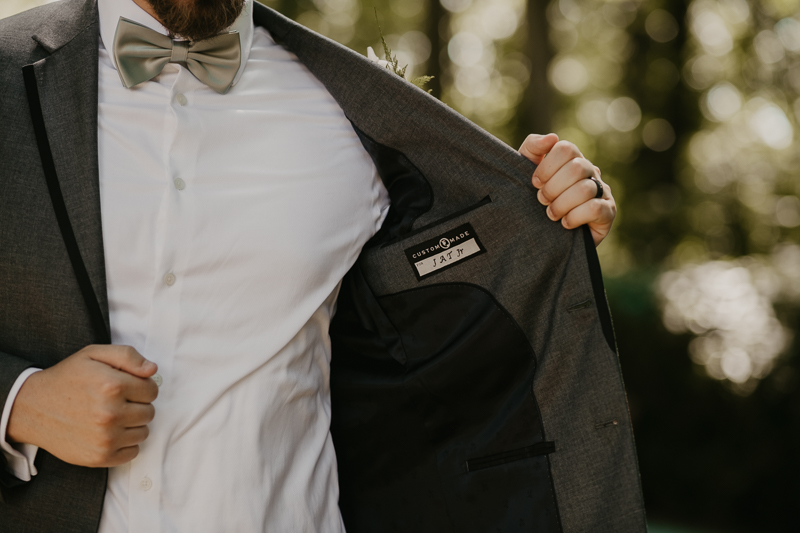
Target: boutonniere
[{"x": 391, "y": 61}]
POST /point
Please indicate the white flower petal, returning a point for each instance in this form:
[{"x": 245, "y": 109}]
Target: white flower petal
[{"x": 372, "y": 56}]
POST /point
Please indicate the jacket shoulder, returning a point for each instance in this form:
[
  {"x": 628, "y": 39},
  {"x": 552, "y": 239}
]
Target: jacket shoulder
[
  {"x": 20, "y": 34},
  {"x": 16, "y": 33}
]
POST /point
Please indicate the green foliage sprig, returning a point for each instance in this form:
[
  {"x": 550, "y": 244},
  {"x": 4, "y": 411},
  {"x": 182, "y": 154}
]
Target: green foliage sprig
[{"x": 393, "y": 63}]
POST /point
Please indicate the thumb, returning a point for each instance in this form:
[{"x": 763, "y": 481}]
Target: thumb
[
  {"x": 124, "y": 358},
  {"x": 535, "y": 147}
]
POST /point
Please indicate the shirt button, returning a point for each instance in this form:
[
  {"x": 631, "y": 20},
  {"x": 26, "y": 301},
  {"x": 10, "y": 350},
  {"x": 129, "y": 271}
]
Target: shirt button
[
  {"x": 145, "y": 484},
  {"x": 181, "y": 99},
  {"x": 169, "y": 279},
  {"x": 180, "y": 184},
  {"x": 158, "y": 379}
]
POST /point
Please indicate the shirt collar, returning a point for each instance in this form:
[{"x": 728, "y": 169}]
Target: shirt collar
[{"x": 111, "y": 10}]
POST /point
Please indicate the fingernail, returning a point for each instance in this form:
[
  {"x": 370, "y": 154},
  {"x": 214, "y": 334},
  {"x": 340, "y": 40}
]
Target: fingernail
[
  {"x": 564, "y": 223},
  {"x": 148, "y": 365},
  {"x": 550, "y": 214},
  {"x": 537, "y": 182},
  {"x": 542, "y": 199}
]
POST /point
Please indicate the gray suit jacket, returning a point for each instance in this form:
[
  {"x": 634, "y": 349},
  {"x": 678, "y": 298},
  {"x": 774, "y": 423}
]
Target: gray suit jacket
[{"x": 484, "y": 395}]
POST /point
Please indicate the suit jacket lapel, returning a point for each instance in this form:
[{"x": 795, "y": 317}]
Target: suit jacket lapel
[{"x": 67, "y": 87}]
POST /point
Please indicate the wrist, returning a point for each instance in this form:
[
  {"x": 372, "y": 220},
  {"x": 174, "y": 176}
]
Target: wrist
[{"x": 22, "y": 419}]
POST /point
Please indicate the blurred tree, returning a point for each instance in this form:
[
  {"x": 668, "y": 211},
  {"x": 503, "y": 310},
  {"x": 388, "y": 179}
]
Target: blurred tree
[
  {"x": 537, "y": 107},
  {"x": 436, "y": 19}
]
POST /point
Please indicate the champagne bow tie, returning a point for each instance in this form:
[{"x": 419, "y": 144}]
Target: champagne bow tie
[{"x": 141, "y": 53}]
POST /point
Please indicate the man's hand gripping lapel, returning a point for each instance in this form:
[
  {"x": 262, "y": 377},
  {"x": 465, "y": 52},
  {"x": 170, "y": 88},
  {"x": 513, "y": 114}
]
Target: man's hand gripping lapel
[{"x": 570, "y": 185}]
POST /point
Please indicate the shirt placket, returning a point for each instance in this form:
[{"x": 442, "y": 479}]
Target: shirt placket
[{"x": 181, "y": 143}]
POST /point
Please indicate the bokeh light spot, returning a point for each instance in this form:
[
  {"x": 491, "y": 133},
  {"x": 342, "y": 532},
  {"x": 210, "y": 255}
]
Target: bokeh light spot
[
  {"x": 417, "y": 45},
  {"x": 773, "y": 128},
  {"x": 618, "y": 15},
  {"x": 407, "y": 8},
  {"x": 735, "y": 11},
  {"x": 568, "y": 75},
  {"x": 661, "y": 26},
  {"x": 570, "y": 10},
  {"x": 787, "y": 212},
  {"x": 768, "y": 47},
  {"x": 712, "y": 32},
  {"x": 736, "y": 365},
  {"x": 723, "y": 101},
  {"x": 658, "y": 135},
  {"x": 473, "y": 81},
  {"x": 592, "y": 116},
  {"x": 788, "y": 31},
  {"x": 728, "y": 305},
  {"x": 456, "y": 6},
  {"x": 703, "y": 71},
  {"x": 624, "y": 114},
  {"x": 465, "y": 49},
  {"x": 499, "y": 21}
]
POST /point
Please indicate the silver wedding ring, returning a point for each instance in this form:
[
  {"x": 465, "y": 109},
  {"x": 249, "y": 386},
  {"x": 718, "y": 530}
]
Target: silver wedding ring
[{"x": 599, "y": 185}]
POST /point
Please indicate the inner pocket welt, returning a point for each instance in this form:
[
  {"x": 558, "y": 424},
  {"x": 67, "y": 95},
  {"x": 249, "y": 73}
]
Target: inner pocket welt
[
  {"x": 540, "y": 448},
  {"x": 451, "y": 216}
]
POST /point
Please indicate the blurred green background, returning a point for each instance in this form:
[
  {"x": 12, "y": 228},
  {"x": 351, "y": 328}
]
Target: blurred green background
[{"x": 691, "y": 109}]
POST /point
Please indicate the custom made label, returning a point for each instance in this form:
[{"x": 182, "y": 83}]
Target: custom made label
[{"x": 444, "y": 251}]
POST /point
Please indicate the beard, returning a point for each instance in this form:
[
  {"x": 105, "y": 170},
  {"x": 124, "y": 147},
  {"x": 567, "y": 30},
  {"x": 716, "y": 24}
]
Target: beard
[{"x": 197, "y": 19}]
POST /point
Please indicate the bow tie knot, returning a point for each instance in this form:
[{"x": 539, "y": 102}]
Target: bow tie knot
[
  {"x": 180, "y": 52},
  {"x": 141, "y": 53}
]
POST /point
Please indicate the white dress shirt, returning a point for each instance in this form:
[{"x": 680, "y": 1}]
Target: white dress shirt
[{"x": 228, "y": 224}]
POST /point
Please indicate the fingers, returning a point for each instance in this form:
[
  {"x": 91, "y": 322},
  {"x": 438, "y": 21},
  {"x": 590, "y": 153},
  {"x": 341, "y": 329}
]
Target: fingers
[
  {"x": 577, "y": 206},
  {"x": 582, "y": 192},
  {"x": 118, "y": 441},
  {"x": 561, "y": 153},
  {"x": 597, "y": 214},
  {"x": 136, "y": 415},
  {"x": 140, "y": 390},
  {"x": 124, "y": 455},
  {"x": 116, "y": 387},
  {"x": 535, "y": 147},
  {"x": 129, "y": 443},
  {"x": 564, "y": 189},
  {"x": 571, "y": 173},
  {"x": 134, "y": 436},
  {"x": 123, "y": 358}
]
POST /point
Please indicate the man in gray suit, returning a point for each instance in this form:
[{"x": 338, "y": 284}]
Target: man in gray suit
[{"x": 468, "y": 324}]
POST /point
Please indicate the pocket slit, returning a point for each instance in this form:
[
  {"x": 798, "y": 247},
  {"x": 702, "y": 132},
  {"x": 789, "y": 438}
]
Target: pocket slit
[
  {"x": 451, "y": 216},
  {"x": 497, "y": 459}
]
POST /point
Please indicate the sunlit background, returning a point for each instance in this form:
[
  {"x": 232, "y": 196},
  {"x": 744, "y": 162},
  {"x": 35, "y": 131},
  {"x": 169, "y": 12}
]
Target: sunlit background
[{"x": 691, "y": 108}]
